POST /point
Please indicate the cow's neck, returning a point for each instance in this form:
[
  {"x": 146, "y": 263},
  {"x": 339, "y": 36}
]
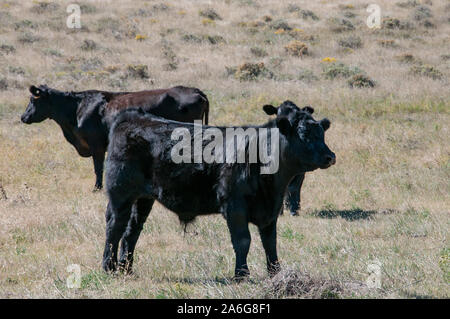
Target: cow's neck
[{"x": 65, "y": 111}]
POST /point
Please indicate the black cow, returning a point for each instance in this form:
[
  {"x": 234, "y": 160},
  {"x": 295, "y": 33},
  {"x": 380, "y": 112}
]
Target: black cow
[
  {"x": 289, "y": 109},
  {"x": 140, "y": 169},
  {"x": 85, "y": 117}
]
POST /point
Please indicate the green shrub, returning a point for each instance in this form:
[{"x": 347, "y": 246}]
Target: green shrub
[
  {"x": 28, "y": 38},
  {"x": 340, "y": 25},
  {"x": 387, "y": 43},
  {"x": 394, "y": 23},
  {"x": 6, "y": 48},
  {"x": 138, "y": 71},
  {"x": 306, "y": 75},
  {"x": 3, "y": 84},
  {"x": 192, "y": 38},
  {"x": 405, "y": 58},
  {"x": 280, "y": 24},
  {"x": 252, "y": 71},
  {"x": 339, "y": 69},
  {"x": 426, "y": 70},
  {"x": 408, "y": 4},
  {"x": 44, "y": 7},
  {"x": 258, "y": 52},
  {"x": 308, "y": 14},
  {"x": 88, "y": 45},
  {"x": 421, "y": 13},
  {"x": 361, "y": 81},
  {"x": 352, "y": 42},
  {"x": 209, "y": 13}
]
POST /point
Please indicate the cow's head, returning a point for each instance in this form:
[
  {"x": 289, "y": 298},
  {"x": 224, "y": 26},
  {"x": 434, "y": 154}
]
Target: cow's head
[
  {"x": 287, "y": 108},
  {"x": 305, "y": 137},
  {"x": 39, "y": 107}
]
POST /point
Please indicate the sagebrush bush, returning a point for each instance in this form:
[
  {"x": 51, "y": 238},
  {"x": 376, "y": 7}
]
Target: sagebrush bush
[
  {"x": 306, "y": 75},
  {"x": 252, "y": 71},
  {"x": 394, "y": 23},
  {"x": 308, "y": 14},
  {"x": 170, "y": 57},
  {"x": 214, "y": 39},
  {"x": 88, "y": 45},
  {"x": 7, "y": 48},
  {"x": 28, "y": 38},
  {"x": 25, "y": 24},
  {"x": 361, "y": 81},
  {"x": 280, "y": 25},
  {"x": 210, "y": 13},
  {"x": 192, "y": 38},
  {"x": 340, "y": 25},
  {"x": 349, "y": 14},
  {"x": 408, "y": 4},
  {"x": 293, "y": 8},
  {"x": 44, "y": 7},
  {"x": 3, "y": 84},
  {"x": 421, "y": 13},
  {"x": 338, "y": 69},
  {"x": 258, "y": 52},
  {"x": 405, "y": 58},
  {"x": 426, "y": 70},
  {"x": 387, "y": 43},
  {"x": 138, "y": 71},
  {"x": 353, "y": 42},
  {"x": 296, "y": 48}
]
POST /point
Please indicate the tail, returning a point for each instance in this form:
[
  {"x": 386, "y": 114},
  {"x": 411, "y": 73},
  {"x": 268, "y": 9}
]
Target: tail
[{"x": 206, "y": 113}]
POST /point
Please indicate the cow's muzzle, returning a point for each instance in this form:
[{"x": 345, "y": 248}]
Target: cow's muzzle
[
  {"x": 25, "y": 119},
  {"x": 329, "y": 161}
]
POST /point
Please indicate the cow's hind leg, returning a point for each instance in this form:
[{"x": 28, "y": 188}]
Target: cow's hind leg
[
  {"x": 117, "y": 216},
  {"x": 269, "y": 240},
  {"x": 139, "y": 214},
  {"x": 293, "y": 194}
]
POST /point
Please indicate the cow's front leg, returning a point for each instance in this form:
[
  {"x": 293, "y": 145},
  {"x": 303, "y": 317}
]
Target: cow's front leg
[
  {"x": 269, "y": 240},
  {"x": 293, "y": 194},
  {"x": 98, "y": 156},
  {"x": 240, "y": 238}
]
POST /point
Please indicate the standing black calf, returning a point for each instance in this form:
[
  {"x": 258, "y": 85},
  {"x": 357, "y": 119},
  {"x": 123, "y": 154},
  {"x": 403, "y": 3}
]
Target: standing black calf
[
  {"x": 85, "y": 117},
  {"x": 141, "y": 169},
  {"x": 289, "y": 109}
]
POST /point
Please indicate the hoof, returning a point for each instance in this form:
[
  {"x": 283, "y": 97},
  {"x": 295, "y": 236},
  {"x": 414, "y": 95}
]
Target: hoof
[
  {"x": 125, "y": 268},
  {"x": 294, "y": 214},
  {"x": 240, "y": 275},
  {"x": 273, "y": 269},
  {"x": 109, "y": 266},
  {"x": 97, "y": 188}
]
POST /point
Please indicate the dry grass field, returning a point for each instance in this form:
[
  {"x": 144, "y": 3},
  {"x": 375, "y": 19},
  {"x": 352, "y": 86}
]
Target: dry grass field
[{"x": 386, "y": 92}]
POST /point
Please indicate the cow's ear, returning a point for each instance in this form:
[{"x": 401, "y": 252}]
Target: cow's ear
[
  {"x": 284, "y": 125},
  {"x": 270, "y": 109},
  {"x": 308, "y": 109},
  {"x": 35, "y": 91},
  {"x": 325, "y": 123}
]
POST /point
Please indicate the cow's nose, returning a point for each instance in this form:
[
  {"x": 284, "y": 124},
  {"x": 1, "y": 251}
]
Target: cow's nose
[
  {"x": 25, "y": 119},
  {"x": 330, "y": 159}
]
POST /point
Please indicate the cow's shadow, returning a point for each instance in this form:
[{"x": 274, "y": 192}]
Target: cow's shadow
[{"x": 347, "y": 214}]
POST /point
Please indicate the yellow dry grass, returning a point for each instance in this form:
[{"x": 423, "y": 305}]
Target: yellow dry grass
[{"x": 386, "y": 199}]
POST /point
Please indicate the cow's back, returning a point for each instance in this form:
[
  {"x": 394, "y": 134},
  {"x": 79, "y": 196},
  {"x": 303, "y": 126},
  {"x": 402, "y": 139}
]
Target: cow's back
[{"x": 141, "y": 146}]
